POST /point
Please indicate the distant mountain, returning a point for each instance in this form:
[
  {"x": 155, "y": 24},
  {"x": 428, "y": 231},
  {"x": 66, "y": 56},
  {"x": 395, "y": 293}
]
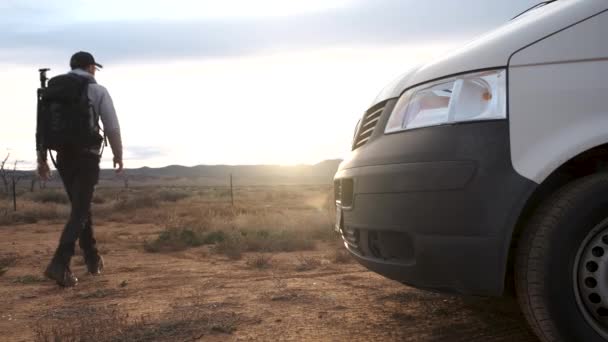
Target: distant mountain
[{"x": 321, "y": 173}]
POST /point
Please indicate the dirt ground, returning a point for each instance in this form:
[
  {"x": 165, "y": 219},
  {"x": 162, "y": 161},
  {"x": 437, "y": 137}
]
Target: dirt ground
[
  {"x": 197, "y": 295},
  {"x": 183, "y": 264}
]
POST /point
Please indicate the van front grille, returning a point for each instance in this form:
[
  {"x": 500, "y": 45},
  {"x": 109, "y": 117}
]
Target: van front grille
[{"x": 367, "y": 126}]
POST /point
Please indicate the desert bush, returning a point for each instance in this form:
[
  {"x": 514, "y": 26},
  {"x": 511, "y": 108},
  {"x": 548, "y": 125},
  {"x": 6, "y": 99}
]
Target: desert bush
[
  {"x": 231, "y": 243},
  {"x": 307, "y": 263},
  {"x": 30, "y": 212},
  {"x": 107, "y": 326},
  {"x": 276, "y": 241},
  {"x": 105, "y": 211},
  {"x": 341, "y": 256},
  {"x": 7, "y": 261},
  {"x": 218, "y": 193},
  {"x": 135, "y": 201},
  {"x": 6, "y": 217},
  {"x": 259, "y": 261},
  {"x": 323, "y": 233},
  {"x": 29, "y": 279},
  {"x": 307, "y": 222},
  {"x": 232, "y": 246},
  {"x": 223, "y": 211},
  {"x": 49, "y": 196},
  {"x": 294, "y": 222},
  {"x": 42, "y": 212},
  {"x": 97, "y": 199},
  {"x": 175, "y": 239},
  {"x": 213, "y": 237},
  {"x": 173, "y": 195},
  {"x": 267, "y": 241},
  {"x": 114, "y": 326}
]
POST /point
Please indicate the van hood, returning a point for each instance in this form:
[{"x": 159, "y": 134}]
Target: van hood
[{"x": 494, "y": 49}]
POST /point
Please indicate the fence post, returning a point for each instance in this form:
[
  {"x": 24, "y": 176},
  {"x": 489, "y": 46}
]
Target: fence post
[
  {"x": 231, "y": 191},
  {"x": 14, "y": 195}
]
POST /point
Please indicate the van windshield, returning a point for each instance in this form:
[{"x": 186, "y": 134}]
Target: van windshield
[{"x": 537, "y": 6}]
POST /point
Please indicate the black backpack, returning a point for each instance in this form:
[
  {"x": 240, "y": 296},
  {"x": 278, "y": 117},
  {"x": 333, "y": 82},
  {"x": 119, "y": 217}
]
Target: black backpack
[{"x": 66, "y": 120}]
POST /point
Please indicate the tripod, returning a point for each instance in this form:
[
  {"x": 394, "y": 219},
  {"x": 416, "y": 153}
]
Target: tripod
[{"x": 40, "y": 93}]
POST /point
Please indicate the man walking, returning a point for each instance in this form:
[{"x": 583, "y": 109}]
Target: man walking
[{"x": 78, "y": 166}]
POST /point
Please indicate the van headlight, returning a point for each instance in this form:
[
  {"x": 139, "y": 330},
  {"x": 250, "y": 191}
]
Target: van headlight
[{"x": 471, "y": 97}]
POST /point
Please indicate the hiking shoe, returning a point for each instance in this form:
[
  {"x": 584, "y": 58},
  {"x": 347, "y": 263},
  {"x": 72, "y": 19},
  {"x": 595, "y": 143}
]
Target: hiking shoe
[
  {"x": 94, "y": 263},
  {"x": 61, "y": 274}
]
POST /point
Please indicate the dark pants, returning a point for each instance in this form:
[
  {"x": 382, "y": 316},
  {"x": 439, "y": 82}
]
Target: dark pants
[{"x": 79, "y": 172}]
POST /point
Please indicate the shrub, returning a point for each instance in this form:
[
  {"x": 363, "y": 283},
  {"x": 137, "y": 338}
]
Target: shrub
[
  {"x": 29, "y": 212},
  {"x": 47, "y": 212},
  {"x": 277, "y": 241},
  {"x": 107, "y": 326},
  {"x": 341, "y": 256},
  {"x": 232, "y": 246},
  {"x": 173, "y": 195},
  {"x": 214, "y": 237},
  {"x": 29, "y": 279},
  {"x": 134, "y": 202},
  {"x": 259, "y": 261},
  {"x": 114, "y": 326},
  {"x": 49, "y": 196},
  {"x": 239, "y": 241},
  {"x": 97, "y": 199},
  {"x": 7, "y": 261},
  {"x": 307, "y": 263},
  {"x": 324, "y": 233},
  {"x": 175, "y": 239}
]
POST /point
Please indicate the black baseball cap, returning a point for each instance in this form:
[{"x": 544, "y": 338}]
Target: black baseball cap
[{"x": 83, "y": 59}]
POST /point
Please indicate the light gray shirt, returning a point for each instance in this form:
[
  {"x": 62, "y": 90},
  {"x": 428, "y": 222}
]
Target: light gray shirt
[{"x": 101, "y": 102}]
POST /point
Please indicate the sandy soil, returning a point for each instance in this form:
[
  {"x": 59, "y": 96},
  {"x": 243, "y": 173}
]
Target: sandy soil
[{"x": 199, "y": 295}]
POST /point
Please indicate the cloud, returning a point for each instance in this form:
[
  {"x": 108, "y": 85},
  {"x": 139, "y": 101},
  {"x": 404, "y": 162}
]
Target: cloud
[
  {"x": 144, "y": 152},
  {"x": 386, "y": 22}
]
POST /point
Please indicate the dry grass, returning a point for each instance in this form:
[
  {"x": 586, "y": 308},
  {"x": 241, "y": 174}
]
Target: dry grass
[
  {"x": 272, "y": 300},
  {"x": 175, "y": 239},
  {"x": 250, "y": 226},
  {"x": 48, "y": 196},
  {"x": 232, "y": 247},
  {"x": 173, "y": 195},
  {"x": 7, "y": 261},
  {"x": 257, "y": 208},
  {"x": 307, "y": 263},
  {"x": 341, "y": 256},
  {"x": 29, "y": 279},
  {"x": 259, "y": 261},
  {"x": 130, "y": 202},
  {"x": 31, "y": 212},
  {"x": 103, "y": 325},
  {"x": 264, "y": 219}
]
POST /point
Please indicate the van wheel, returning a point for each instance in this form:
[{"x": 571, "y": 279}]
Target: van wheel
[{"x": 561, "y": 267}]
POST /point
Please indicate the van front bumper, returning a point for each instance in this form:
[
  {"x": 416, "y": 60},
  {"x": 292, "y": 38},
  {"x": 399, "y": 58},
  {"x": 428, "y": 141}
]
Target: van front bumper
[{"x": 434, "y": 207}]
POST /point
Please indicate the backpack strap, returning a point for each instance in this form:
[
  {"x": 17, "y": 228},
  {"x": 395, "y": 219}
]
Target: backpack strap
[
  {"x": 96, "y": 116},
  {"x": 52, "y": 159},
  {"x": 96, "y": 120}
]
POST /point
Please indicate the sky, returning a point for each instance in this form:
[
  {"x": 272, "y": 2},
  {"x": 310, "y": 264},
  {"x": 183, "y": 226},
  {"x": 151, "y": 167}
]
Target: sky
[{"x": 229, "y": 81}]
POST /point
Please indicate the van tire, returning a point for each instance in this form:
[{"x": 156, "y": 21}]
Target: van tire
[{"x": 545, "y": 277}]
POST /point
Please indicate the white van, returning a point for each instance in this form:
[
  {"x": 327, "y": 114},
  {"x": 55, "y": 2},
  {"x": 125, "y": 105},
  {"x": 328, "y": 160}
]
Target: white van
[{"x": 489, "y": 167}]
